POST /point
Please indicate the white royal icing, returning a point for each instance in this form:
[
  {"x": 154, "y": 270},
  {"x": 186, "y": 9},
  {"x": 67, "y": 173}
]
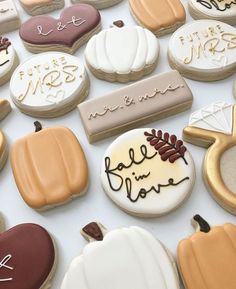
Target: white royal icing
[
  {"x": 48, "y": 80},
  {"x": 124, "y": 183},
  {"x": 216, "y": 117},
  {"x": 126, "y": 258},
  {"x": 8, "y": 11},
  {"x": 122, "y": 50},
  {"x": 4, "y": 264},
  {"x": 204, "y": 45},
  {"x": 7, "y": 59}
]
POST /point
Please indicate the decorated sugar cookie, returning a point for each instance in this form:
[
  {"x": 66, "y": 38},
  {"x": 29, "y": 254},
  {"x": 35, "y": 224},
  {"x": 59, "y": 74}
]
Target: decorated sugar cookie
[
  {"x": 49, "y": 84},
  {"x": 122, "y": 258},
  {"x": 159, "y": 16},
  {"x": 213, "y": 127},
  {"x": 222, "y": 10},
  {"x": 119, "y": 62},
  {"x": 5, "y": 108},
  {"x": 49, "y": 167},
  {"x": 27, "y": 257},
  {"x": 207, "y": 259},
  {"x": 99, "y": 4},
  {"x": 75, "y": 26},
  {"x": 8, "y": 59},
  {"x": 147, "y": 172},
  {"x": 204, "y": 50},
  {"x": 38, "y": 7},
  {"x": 234, "y": 89},
  {"x": 9, "y": 17}
]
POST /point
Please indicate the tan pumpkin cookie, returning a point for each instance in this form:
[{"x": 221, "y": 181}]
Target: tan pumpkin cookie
[
  {"x": 49, "y": 167},
  {"x": 207, "y": 259},
  {"x": 159, "y": 16}
]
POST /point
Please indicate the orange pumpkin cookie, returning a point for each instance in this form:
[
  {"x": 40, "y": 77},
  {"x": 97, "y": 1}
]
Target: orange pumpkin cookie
[
  {"x": 49, "y": 167},
  {"x": 207, "y": 259},
  {"x": 159, "y": 16}
]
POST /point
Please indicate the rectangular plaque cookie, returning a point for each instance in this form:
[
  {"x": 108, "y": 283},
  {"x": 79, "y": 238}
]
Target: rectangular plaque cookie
[{"x": 145, "y": 101}]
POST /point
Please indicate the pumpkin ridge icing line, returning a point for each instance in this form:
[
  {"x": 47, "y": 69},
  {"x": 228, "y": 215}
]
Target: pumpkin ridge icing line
[
  {"x": 229, "y": 238},
  {"x": 137, "y": 49},
  {"x": 106, "y": 51},
  {"x": 149, "y": 12}
]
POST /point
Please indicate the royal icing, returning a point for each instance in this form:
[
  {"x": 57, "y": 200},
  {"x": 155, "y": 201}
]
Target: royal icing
[
  {"x": 134, "y": 254},
  {"x": 106, "y": 51},
  {"x": 7, "y": 57},
  {"x": 9, "y": 18},
  {"x": 204, "y": 46},
  {"x": 48, "y": 80},
  {"x": 147, "y": 172}
]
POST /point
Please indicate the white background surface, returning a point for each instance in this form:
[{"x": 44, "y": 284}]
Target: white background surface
[{"x": 66, "y": 221}]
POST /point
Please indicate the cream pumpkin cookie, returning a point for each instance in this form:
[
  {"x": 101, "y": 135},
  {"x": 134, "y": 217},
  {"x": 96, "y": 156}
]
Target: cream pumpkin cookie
[
  {"x": 138, "y": 261},
  {"x": 207, "y": 259},
  {"x": 213, "y": 127},
  {"x": 49, "y": 167},
  {"x": 108, "y": 58},
  {"x": 9, "y": 17},
  {"x": 99, "y": 4},
  {"x": 159, "y": 16},
  {"x": 38, "y": 7},
  {"x": 147, "y": 172}
]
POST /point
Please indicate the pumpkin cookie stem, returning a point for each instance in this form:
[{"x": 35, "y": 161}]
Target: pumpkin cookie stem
[
  {"x": 38, "y": 126},
  {"x": 93, "y": 232},
  {"x": 200, "y": 224}
]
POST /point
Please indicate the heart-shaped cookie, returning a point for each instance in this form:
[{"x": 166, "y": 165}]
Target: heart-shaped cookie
[
  {"x": 21, "y": 264},
  {"x": 76, "y": 25}
]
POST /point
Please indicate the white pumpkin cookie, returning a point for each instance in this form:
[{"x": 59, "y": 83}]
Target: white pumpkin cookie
[
  {"x": 108, "y": 58},
  {"x": 147, "y": 173},
  {"x": 49, "y": 84},
  {"x": 9, "y": 17},
  {"x": 204, "y": 50},
  {"x": 99, "y": 4},
  {"x": 122, "y": 258},
  {"x": 8, "y": 60},
  {"x": 38, "y": 7},
  {"x": 222, "y": 10}
]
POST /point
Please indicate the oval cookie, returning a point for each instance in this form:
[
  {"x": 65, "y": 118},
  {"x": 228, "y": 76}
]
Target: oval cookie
[
  {"x": 159, "y": 16},
  {"x": 108, "y": 58},
  {"x": 204, "y": 50},
  {"x": 99, "y": 4},
  {"x": 147, "y": 172},
  {"x": 49, "y": 84},
  {"x": 222, "y": 10},
  {"x": 134, "y": 254},
  {"x": 38, "y": 7}
]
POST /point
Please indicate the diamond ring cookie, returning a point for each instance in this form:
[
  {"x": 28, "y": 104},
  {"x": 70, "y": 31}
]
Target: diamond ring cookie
[
  {"x": 49, "y": 84},
  {"x": 49, "y": 167},
  {"x": 147, "y": 172},
  {"x": 207, "y": 259},
  {"x": 9, "y": 17},
  {"x": 204, "y": 50},
  {"x": 99, "y": 4},
  {"x": 108, "y": 58},
  {"x": 27, "y": 257},
  {"x": 38, "y": 7},
  {"x": 159, "y": 16},
  {"x": 222, "y": 10},
  {"x": 8, "y": 60},
  {"x": 213, "y": 127},
  {"x": 138, "y": 261},
  {"x": 76, "y": 25}
]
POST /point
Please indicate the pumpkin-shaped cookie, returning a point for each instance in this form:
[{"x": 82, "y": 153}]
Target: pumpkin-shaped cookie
[
  {"x": 127, "y": 258},
  {"x": 49, "y": 167},
  {"x": 207, "y": 259}
]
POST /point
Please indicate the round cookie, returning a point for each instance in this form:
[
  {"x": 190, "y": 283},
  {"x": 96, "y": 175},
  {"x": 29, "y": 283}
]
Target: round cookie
[
  {"x": 21, "y": 265},
  {"x": 138, "y": 261},
  {"x": 159, "y": 16},
  {"x": 38, "y": 7},
  {"x": 204, "y": 50},
  {"x": 108, "y": 58},
  {"x": 49, "y": 84},
  {"x": 222, "y": 10},
  {"x": 8, "y": 60},
  {"x": 207, "y": 259},
  {"x": 213, "y": 127},
  {"x": 99, "y": 4},
  {"x": 147, "y": 172}
]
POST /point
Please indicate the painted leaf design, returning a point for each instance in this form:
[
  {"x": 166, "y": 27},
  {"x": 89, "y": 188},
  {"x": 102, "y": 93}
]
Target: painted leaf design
[
  {"x": 4, "y": 43},
  {"x": 168, "y": 146}
]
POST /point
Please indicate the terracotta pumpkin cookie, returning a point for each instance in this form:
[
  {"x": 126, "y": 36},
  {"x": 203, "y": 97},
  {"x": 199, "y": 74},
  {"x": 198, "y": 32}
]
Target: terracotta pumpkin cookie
[
  {"x": 159, "y": 16},
  {"x": 38, "y": 7},
  {"x": 49, "y": 167},
  {"x": 9, "y": 17},
  {"x": 207, "y": 259},
  {"x": 99, "y": 4},
  {"x": 122, "y": 258},
  {"x": 27, "y": 257},
  {"x": 213, "y": 127},
  {"x": 76, "y": 25},
  {"x": 147, "y": 172}
]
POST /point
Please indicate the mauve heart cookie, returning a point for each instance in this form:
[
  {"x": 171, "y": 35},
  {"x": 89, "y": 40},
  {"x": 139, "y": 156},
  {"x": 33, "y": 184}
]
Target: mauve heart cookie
[
  {"x": 27, "y": 258},
  {"x": 76, "y": 25}
]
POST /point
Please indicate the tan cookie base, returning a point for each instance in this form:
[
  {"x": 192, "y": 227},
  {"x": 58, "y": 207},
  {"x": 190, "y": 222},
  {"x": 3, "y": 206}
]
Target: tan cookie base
[
  {"x": 44, "y": 8},
  {"x": 10, "y": 26},
  {"x": 100, "y": 4},
  {"x": 4, "y": 154},
  {"x": 5, "y": 108}
]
